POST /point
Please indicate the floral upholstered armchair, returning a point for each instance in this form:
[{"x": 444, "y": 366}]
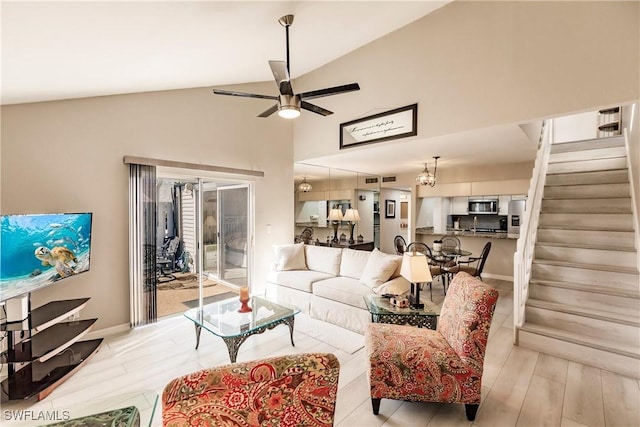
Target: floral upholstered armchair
[
  {"x": 292, "y": 390},
  {"x": 445, "y": 365}
]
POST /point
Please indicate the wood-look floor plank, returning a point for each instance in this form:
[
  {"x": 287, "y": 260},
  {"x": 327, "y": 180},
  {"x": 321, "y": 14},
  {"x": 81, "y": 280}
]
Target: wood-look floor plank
[
  {"x": 583, "y": 395},
  {"x": 621, "y": 398},
  {"x": 541, "y": 406},
  {"x": 502, "y": 405},
  {"x": 412, "y": 414},
  {"x": 553, "y": 368}
]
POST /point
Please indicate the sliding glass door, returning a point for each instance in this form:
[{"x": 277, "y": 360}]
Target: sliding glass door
[{"x": 234, "y": 234}]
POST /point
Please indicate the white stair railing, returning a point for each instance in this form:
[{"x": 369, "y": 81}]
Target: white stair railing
[{"x": 523, "y": 257}]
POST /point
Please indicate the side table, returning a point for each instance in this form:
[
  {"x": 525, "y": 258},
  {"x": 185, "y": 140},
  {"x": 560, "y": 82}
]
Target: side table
[{"x": 382, "y": 311}]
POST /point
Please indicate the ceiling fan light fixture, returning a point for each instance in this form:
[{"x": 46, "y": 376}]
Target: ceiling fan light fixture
[
  {"x": 427, "y": 178},
  {"x": 289, "y": 107}
]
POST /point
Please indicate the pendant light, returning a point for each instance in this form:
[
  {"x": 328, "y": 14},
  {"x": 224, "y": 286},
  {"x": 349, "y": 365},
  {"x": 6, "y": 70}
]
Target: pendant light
[
  {"x": 427, "y": 178},
  {"x": 304, "y": 186}
]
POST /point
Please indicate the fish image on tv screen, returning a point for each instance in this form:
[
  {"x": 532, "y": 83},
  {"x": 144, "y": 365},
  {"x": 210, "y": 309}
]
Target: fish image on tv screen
[{"x": 37, "y": 250}]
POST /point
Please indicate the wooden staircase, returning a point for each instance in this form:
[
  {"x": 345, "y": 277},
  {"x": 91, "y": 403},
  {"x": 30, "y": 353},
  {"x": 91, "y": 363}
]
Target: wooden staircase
[{"x": 584, "y": 292}]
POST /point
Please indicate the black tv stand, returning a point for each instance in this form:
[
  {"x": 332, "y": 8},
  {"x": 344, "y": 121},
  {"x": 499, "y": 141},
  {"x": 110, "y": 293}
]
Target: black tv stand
[{"x": 45, "y": 349}]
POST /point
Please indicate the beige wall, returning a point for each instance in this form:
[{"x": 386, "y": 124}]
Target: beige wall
[
  {"x": 67, "y": 156},
  {"x": 473, "y": 65}
]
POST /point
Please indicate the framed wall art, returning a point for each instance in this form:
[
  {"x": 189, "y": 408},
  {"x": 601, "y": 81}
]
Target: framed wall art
[
  {"x": 399, "y": 123},
  {"x": 389, "y": 208}
]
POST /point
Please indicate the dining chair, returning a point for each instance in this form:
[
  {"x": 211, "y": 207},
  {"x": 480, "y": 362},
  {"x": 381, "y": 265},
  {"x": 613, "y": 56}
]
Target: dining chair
[
  {"x": 400, "y": 244},
  {"x": 473, "y": 270},
  {"x": 435, "y": 266}
]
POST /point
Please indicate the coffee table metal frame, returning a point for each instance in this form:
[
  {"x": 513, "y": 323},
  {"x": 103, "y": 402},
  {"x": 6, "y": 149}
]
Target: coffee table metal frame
[
  {"x": 382, "y": 311},
  {"x": 223, "y": 320}
]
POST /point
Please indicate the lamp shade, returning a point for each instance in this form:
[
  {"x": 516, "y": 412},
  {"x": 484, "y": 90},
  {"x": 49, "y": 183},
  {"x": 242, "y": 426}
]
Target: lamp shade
[
  {"x": 335, "y": 214},
  {"x": 415, "y": 268},
  {"x": 351, "y": 215}
]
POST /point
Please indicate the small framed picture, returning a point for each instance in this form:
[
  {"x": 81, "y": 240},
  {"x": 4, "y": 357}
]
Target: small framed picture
[{"x": 389, "y": 208}]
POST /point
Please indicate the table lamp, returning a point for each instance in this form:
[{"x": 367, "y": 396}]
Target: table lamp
[
  {"x": 335, "y": 215},
  {"x": 352, "y": 216},
  {"x": 415, "y": 269}
]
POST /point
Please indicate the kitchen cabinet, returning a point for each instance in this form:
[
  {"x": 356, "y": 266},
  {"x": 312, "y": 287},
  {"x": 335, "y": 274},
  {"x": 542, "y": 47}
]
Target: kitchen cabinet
[
  {"x": 504, "y": 187},
  {"x": 312, "y": 196},
  {"x": 459, "y": 205},
  {"x": 503, "y": 205},
  {"x": 445, "y": 190}
]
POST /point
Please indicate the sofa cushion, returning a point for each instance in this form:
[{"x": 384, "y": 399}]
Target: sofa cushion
[
  {"x": 353, "y": 263},
  {"x": 290, "y": 257},
  {"x": 380, "y": 267},
  {"x": 324, "y": 259},
  {"x": 344, "y": 290},
  {"x": 297, "y": 279}
]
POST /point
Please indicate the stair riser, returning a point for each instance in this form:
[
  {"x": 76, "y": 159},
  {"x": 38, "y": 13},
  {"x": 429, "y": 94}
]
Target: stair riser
[
  {"x": 586, "y": 256},
  {"x": 600, "y": 177},
  {"x": 580, "y": 237},
  {"x": 605, "y": 221},
  {"x": 591, "y": 144},
  {"x": 618, "y": 205},
  {"x": 627, "y": 366},
  {"x": 600, "y": 153},
  {"x": 595, "y": 191},
  {"x": 584, "y": 298},
  {"x": 614, "y": 279},
  {"x": 587, "y": 165},
  {"x": 584, "y": 325}
]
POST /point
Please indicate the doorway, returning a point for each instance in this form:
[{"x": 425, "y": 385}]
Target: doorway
[{"x": 202, "y": 234}]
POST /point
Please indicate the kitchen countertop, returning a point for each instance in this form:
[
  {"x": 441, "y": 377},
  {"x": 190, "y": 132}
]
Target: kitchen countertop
[{"x": 480, "y": 234}]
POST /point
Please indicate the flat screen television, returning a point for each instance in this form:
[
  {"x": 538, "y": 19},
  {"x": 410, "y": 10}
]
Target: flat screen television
[{"x": 37, "y": 250}]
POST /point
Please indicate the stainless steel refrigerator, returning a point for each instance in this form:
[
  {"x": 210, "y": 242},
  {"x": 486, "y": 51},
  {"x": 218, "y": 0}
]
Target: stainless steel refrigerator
[{"x": 515, "y": 217}]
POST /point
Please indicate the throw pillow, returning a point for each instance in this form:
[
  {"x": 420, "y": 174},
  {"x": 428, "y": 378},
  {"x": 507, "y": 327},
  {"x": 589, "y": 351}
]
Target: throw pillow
[
  {"x": 290, "y": 257},
  {"x": 379, "y": 268}
]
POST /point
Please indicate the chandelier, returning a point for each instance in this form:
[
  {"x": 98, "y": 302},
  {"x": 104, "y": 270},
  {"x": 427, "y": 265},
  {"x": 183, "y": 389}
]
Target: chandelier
[
  {"x": 304, "y": 186},
  {"x": 427, "y": 178}
]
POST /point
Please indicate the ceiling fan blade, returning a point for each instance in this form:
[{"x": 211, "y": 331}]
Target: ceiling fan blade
[
  {"x": 318, "y": 110},
  {"x": 330, "y": 91},
  {"x": 269, "y": 111},
  {"x": 281, "y": 75},
  {"x": 243, "y": 94}
]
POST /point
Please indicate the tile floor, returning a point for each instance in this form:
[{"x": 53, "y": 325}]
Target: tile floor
[{"x": 521, "y": 387}]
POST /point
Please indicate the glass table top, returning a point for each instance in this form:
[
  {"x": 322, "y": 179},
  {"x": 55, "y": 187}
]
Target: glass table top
[
  {"x": 223, "y": 319},
  {"x": 381, "y": 305},
  {"x": 136, "y": 408}
]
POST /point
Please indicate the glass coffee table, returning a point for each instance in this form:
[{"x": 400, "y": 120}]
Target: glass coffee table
[
  {"x": 382, "y": 311},
  {"x": 223, "y": 320}
]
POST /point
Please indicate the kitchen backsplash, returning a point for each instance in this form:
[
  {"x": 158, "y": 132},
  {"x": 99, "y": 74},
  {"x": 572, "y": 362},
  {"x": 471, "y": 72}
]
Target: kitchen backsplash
[{"x": 488, "y": 222}]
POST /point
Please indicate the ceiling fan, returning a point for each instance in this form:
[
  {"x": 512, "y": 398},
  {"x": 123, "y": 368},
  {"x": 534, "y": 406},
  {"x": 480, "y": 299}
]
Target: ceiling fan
[{"x": 289, "y": 103}]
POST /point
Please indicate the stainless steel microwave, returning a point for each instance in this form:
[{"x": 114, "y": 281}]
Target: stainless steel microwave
[{"x": 483, "y": 206}]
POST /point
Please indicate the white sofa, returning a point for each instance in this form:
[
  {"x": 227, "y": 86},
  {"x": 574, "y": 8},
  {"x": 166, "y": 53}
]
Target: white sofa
[{"x": 330, "y": 283}]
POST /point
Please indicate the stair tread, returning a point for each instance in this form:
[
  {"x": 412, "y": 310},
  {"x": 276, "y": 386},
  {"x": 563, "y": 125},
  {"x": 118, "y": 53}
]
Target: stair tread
[
  {"x": 593, "y": 313},
  {"x": 588, "y": 288},
  {"x": 600, "y": 342},
  {"x": 588, "y": 246},
  {"x": 602, "y": 267},
  {"x": 592, "y": 143},
  {"x": 583, "y": 228}
]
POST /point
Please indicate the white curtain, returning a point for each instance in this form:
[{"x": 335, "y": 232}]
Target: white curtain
[{"x": 142, "y": 244}]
